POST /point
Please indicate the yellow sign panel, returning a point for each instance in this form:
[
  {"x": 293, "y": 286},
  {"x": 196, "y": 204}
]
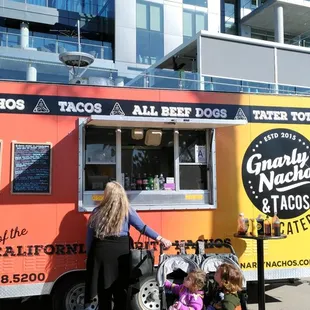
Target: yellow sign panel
[
  {"x": 194, "y": 197},
  {"x": 97, "y": 197}
]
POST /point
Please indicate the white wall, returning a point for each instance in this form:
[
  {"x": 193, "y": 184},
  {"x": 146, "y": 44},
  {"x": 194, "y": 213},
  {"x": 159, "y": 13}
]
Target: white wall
[
  {"x": 173, "y": 25},
  {"x": 214, "y": 16},
  {"x": 125, "y": 30}
]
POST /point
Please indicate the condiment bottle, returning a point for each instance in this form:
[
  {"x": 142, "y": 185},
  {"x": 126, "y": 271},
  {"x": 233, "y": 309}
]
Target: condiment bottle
[
  {"x": 246, "y": 224},
  {"x": 254, "y": 228},
  {"x": 151, "y": 182},
  {"x": 260, "y": 225},
  {"x": 267, "y": 226},
  {"x": 249, "y": 232},
  {"x": 241, "y": 229},
  {"x": 276, "y": 225},
  {"x": 139, "y": 182},
  {"x": 156, "y": 182}
]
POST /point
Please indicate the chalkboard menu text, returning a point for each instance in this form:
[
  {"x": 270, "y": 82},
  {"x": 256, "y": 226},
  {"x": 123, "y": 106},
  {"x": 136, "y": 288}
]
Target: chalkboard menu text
[{"x": 31, "y": 168}]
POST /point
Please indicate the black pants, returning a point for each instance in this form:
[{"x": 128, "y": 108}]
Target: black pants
[
  {"x": 119, "y": 293},
  {"x": 107, "y": 272}
]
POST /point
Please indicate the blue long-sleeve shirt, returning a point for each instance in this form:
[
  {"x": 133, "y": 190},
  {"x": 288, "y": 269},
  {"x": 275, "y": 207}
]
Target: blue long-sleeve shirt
[{"x": 132, "y": 220}]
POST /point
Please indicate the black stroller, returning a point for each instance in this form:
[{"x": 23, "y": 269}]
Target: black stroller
[{"x": 175, "y": 268}]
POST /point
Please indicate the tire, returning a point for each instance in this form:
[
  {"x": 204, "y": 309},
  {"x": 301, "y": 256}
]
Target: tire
[
  {"x": 147, "y": 298},
  {"x": 69, "y": 293}
]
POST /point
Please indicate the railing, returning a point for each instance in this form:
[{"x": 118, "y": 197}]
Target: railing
[
  {"x": 81, "y": 6},
  {"x": 55, "y": 46},
  {"x": 254, "y": 4},
  {"x": 167, "y": 79},
  {"x": 153, "y": 78},
  {"x": 302, "y": 40}
]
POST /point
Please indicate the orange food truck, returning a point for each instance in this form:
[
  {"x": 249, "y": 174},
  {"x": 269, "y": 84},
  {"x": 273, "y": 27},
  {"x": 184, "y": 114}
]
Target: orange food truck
[{"x": 190, "y": 162}]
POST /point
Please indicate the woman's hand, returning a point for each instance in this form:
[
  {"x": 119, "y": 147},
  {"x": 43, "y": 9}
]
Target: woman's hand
[{"x": 166, "y": 243}]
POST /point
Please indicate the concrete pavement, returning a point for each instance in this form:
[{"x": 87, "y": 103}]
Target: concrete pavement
[{"x": 283, "y": 296}]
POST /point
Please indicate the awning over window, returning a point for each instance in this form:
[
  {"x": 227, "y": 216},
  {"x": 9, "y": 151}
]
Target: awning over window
[{"x": 160, "y": 122}]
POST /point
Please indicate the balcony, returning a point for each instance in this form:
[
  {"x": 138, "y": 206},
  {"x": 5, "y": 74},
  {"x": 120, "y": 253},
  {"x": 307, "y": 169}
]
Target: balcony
[
  {"x": 56, "y": 46},
  {"x": 261, "y": 15}
]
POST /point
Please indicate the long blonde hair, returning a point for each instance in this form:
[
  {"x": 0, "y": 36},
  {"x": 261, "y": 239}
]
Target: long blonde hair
[{"x": 109, "y": 217}]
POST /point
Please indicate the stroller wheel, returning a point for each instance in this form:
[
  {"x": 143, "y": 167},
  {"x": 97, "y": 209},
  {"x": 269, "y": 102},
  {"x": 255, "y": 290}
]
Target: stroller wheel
[{"x": 148, "y": 296}]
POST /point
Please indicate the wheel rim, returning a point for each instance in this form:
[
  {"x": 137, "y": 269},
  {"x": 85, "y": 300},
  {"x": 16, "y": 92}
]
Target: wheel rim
[
  {"x": 75, "y": 298},
  {"x": 149, "y": 295}
]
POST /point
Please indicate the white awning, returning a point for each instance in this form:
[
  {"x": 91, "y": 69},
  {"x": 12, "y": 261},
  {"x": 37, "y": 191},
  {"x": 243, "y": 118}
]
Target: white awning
[{"x": 159, "y": 122}]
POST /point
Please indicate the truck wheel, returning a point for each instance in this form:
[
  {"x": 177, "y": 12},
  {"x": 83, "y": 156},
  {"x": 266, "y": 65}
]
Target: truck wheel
[
  {"x": 69, "y": 294},
  {"x": 148, "y": 296}
]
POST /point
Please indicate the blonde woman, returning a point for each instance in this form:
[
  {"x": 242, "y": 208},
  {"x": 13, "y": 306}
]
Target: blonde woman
[{"x": 107, "y": 247}]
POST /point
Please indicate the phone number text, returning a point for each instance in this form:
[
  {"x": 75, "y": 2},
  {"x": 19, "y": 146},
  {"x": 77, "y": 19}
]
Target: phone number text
[{"x": 24, "y": 277}]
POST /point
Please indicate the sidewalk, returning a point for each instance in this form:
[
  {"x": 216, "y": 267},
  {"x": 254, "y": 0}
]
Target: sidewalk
[{"x": 283, "y": 296}]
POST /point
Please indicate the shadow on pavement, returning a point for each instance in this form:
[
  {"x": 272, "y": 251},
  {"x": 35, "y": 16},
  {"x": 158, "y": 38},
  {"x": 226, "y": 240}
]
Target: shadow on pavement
[
  {"x": 253, "y": 291},
  {"x": 33, "y": 303}
]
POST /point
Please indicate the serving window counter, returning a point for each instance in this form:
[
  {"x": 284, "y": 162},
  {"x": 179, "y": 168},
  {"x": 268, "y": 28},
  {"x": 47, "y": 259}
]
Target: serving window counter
[{"x": 163, "y": 164}]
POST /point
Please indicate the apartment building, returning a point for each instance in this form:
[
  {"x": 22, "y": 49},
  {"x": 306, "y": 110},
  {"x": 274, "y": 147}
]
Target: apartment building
[
  {"x": 127, "y": 36},
  {"x": 124, "y": 36}
]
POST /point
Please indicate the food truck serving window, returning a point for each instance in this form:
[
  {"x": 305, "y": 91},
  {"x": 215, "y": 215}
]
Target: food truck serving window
[{"x": 162, "y": 164}]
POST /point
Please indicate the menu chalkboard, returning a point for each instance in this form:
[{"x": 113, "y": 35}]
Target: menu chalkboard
[{"x": 31, "y": 168}]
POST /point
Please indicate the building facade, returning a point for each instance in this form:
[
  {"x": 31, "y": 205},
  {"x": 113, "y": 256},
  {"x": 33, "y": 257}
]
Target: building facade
[
  {"x": 128, "y": 36},
  {"x": 124, "y": 36}
]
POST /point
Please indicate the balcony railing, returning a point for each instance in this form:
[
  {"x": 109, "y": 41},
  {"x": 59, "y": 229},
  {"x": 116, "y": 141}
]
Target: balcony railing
[
  {"x": 159, "y": 78},
  {"x": 302, "y": 40},
  {"x": 14, "y": 69},
  {"x": 253, "y": 4},
  {"x": 50, "y": 45},
  {"x": 103, "y": 8}
]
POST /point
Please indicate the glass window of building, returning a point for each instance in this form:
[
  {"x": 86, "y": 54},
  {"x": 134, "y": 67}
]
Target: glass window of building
[
  {"x": 142, "y": 15},
  {"x": 104, "y": 8},
  {"x": 254, "y": 4},
  {"x": 228, "y": 17},
  {"x": 193, "y": 22},
  {"x": 188, "y": 18},
  {"x": 202, "y": 3},
  {"x": 150, "y": 38},
  {"x": 155, "y": 18}
]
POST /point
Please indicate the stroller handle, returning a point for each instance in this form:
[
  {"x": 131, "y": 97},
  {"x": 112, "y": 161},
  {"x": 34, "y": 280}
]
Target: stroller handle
[{"x": 194, "y": 246}]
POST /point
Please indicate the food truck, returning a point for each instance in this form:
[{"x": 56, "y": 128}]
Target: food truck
[{"x": 190, "y": 162}]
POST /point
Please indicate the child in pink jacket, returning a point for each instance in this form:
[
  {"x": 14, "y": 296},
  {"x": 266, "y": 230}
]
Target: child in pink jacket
[{"x": 190, "y": 294}]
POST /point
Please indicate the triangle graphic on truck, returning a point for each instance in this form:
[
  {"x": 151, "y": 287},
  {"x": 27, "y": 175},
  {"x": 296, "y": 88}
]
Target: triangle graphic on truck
[
  {"x": 41, "y": 107},
  {"x": 240, "y": 115},
  {"x": 117, "y": 110}
]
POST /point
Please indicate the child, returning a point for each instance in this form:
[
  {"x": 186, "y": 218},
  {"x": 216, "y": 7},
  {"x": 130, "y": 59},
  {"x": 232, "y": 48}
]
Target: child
[
  {"x": 190, "y": 294},
  {"x": 225, "y": 296}
]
